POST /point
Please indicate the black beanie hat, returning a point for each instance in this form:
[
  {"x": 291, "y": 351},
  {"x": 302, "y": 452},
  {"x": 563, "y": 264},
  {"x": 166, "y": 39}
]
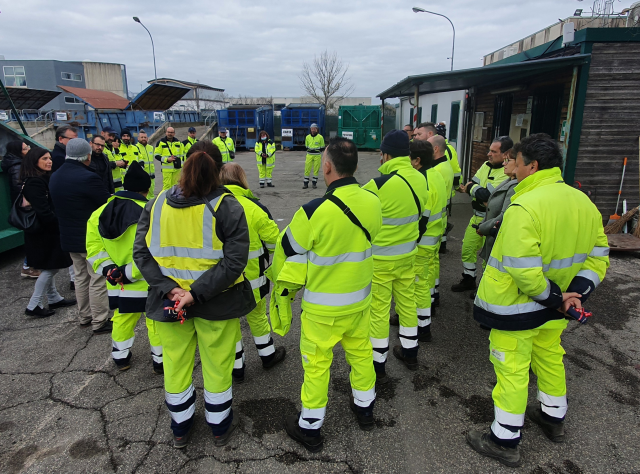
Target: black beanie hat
[
  {"x": 395, "y": 143},
  {"x": 136, "y": 179},
  {"x": 125, "y": 131}
]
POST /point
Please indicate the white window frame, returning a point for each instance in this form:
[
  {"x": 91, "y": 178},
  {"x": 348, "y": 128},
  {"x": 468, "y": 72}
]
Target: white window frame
[
  {"x": 76, "y": 101},
  {"x": 14, "y": 75},
  {"x": 72, "y": 76}
]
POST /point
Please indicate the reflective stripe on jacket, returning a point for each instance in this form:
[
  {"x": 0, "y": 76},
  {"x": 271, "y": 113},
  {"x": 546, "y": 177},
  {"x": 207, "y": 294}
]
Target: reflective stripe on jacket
[
  {"x": 145, "y": 158},
  {"x": 551, "y": 241},
  {"x": 436, "y": 209},
  {"x": 271, "y": 153},
  {"x": 225, "y": 146},
  {"x": 263, "y": 233},
  {"x": 185, "y": 252},
  {"x": 324, "y": 251},
  {"x": 399, "y": 235},
  {"x": 485, "y": 181},
  {"x": 314, "y": 145},
  {"x": 111, "y": 230},
  {"x": 165, "y": 149}
]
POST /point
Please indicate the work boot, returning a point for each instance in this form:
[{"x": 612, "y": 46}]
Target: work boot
[
  {"x": 425, "y": 336},
  {"x": 223, "y": 439},
  {"x": 364, "y": 417},
  {"x": 104, "y": 329},
  {"x": 305, "y": 185},
  {"x": 180, "y": 442},
  {"x": 124, "y": 364},
  {"x": 315, "y": 185},
  {"x": 313, "y": 444},
  {"x": 410, "y": 362},
  {"x": 483, "y": 444},
  {"x": 443, "y": 248},
  {"x": 277, "y": 357},
  {"x": 467, "y": 283},
  {"x": 270, "y": 185},
  {"x": 158, "y": 369},
  {"x": 553, "y": 431},
  {"x": 237, "y": 375},
  {"x": 394, "y": 320},
  {"x": 381, "y": 378},
  {"x": 262, "y": 185}
]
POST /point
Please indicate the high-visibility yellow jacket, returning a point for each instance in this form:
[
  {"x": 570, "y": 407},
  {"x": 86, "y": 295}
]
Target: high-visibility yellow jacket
[
  {"x": 188, "y": 143},
  {"x": 114, "y": 155},
  {"x": 432, "y": 216},
  {"x": 327, "y": 252},
  {"x": 404, "y": 197},
  {"x": 145, "y": 158},
  {"x": 129, "y": 153},
  {"x": 314, "y": 145},
  {"x": 226, "y": 147},
  {"x": 441, "y": 165},
  {"x": 165, "y": 149},
  {"x": 485, "y": 181},
  {"x": 551, "y": 241},
  {"x": 263, "y": 234},
  {"x": 185, "y": 252},
  {"x": 111, "y": 230},
  {"x": 270, "y": 160},
  {"x": 452, "y": 156}
]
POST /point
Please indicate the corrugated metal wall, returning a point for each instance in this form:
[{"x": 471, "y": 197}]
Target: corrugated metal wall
[{"x": 105, "y": 77}]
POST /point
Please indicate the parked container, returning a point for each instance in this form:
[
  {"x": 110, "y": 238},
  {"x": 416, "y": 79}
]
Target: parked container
[
  {"x": 360, "y": 123},
  {"x": 296, "y": 120},
  {"x": 245, "y": 123}
]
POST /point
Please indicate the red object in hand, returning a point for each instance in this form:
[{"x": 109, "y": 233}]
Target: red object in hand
[
  {"x": 110, "y": 278},
  {"x": 180, "y": 313},
  {"x": 579, "y": 314}
]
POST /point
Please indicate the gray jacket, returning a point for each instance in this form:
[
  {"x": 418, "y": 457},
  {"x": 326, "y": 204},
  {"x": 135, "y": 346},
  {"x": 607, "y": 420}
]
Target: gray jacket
[
  {"x": 214, "y": 300},
  {"x": 496, "y": 206}
]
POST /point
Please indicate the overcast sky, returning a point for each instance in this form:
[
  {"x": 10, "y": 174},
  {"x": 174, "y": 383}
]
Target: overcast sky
[{"x": 258, "y": 48}]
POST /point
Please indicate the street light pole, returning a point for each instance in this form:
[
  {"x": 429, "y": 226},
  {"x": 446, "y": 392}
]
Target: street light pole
[
  {"x": 453, "y": 47},
  {"x": 153, "y": 48}
]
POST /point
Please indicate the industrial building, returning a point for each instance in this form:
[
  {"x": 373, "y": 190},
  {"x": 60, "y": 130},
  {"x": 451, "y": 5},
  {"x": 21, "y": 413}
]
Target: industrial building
[
  {"x": 577, "y": 87},
  {"x": 49, "y": 74}
]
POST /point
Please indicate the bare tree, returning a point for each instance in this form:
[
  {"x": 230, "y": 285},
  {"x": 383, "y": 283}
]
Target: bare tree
[
  {"x": 326, "y": 79},
  {"x": 247, "y": 100}
]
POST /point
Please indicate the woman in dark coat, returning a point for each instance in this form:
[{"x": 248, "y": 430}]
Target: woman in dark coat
[
  {"x": 43, "y": 247},
  {"x": 11, "y": 164}
]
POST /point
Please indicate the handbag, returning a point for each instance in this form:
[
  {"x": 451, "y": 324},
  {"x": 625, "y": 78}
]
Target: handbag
[{"x": 22, "y": 215}]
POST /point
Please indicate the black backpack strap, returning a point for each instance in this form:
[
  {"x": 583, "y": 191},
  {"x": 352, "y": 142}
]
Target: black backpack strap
[
  {"x": 347, "y": 212},
  {"x": 415, "y": 196}
]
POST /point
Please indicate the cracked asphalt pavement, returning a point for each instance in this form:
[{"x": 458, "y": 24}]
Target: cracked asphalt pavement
[{"x": 64, "y": 407}]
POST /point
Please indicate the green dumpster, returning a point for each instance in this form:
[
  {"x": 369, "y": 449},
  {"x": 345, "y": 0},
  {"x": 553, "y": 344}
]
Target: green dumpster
[{"x": 360, "y": 123}]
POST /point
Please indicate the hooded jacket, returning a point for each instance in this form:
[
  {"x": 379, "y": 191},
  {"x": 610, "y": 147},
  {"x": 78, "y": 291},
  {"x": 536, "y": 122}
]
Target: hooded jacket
[{"x": 215, "y": 297}]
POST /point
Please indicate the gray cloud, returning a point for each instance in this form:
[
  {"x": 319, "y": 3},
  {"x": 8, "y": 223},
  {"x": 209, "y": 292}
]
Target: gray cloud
[{"x": 255, "y": 48}]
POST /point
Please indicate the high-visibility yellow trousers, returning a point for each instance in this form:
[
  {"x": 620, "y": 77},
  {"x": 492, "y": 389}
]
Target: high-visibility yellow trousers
[
  {"x": 170, "y": 178},
  {"x": 312, "y": 161},
  {"x": 216, "y": 341},
  {"x": 425, "y": 282},
  {"x": 261, "y": 332},
  {"x": 512, "y": 353},
  {"x": 471, "y": 245},
  {"x": 265, "y": 172},
  {"x": 152, "y": 193},
  {"x": 393, "y": 278},
  {"x": 318, "y": 335},
  {"x": 123, "y": 335}
]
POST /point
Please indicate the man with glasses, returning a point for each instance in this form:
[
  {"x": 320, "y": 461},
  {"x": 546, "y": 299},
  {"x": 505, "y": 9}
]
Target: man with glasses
[
  {"x": 480, "y": 188},
  {"x": 101, "y": 164},
  {"x": 63, "y": 135}
]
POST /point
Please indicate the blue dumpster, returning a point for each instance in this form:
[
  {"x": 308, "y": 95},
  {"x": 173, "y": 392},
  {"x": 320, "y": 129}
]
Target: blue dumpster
[
  {"x": 245, "y": 123},
  {"x": 296, "y": 120}
]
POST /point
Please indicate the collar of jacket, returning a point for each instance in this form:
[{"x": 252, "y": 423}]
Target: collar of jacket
[
  {"x": 341, "y": 182},
  {"x": 60, "y": 145},
  {"x": 131, "y": 195},
  {"x": 494, "y": 167},
  {"x": 78, "y": 163},
  {"x": 395, "y": 164},
  {"x": 176, "y": 199},
  {"x": 536, "y": 180},
  {"x": 442, "y": 159},
  {"x": 239, "y": 191}
]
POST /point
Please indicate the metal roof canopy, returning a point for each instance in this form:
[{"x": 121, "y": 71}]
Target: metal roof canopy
[
  {"x": 98, "y": 99},
  {"x": 24, "y": 98},
  {"x": 190, "y": 85},
  {"x": 158, "y": 97},
  {"x": 480, "y": 76}
]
